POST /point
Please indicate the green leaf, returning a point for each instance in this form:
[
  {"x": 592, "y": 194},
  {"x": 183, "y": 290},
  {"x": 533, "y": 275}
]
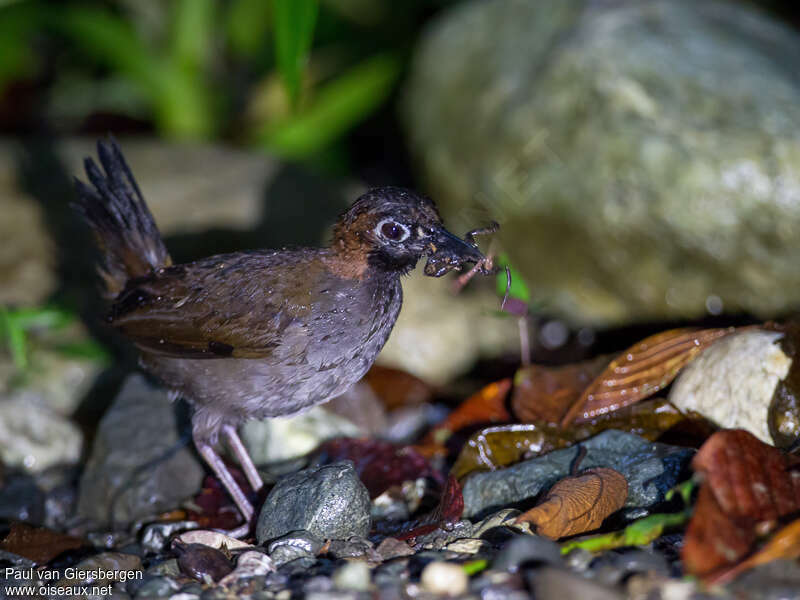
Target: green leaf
[
  {"x": 178, "y": 97},
  {"x": 192, "y": 29},
  {"x": 638, "y": 533},
  {"x": 519, "y": 289},
  {"x": 475, "y": 566},
  {"x": 339, "y": 105},
  {"x": 15, "y": 338},
  {"x": 247, "y": 24},
  {"x": 294, "y": 31}
]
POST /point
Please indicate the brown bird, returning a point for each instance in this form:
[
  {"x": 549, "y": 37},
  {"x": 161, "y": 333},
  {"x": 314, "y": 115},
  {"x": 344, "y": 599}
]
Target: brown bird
[{"x": 264, "y": 333}]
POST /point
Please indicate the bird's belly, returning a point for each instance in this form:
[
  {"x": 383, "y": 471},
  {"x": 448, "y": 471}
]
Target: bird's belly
[{"x": 307, "y": 370}]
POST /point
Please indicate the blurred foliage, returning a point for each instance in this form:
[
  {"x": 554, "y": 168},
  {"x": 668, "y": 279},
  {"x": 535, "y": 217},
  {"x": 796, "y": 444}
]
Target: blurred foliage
[
  {"x": 17, "y": 324},
  {"x": 289, "y": 76}
]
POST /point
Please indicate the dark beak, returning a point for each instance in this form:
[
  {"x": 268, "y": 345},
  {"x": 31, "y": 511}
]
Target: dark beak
[{"x": 448, "y": 252}]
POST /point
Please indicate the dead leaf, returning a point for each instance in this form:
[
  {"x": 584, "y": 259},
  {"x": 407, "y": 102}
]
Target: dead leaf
[
  {"x": 502, "y": 445},
  {"x": 447, "y": 512},
  {"x": 496, "y": 447},
  {"x": 39, "y": 544},
  {"x": 546, "y": 393},
  {"x": 397, "y": 388},
  {"x": 379, "y": 464},
  {"x": 785, "y": 544},
  {"x": 578, "y": 504},
  {"x": 641, "y": 371},
  {"x": 486, "y": 406},
  {"x": 748, "y": 485}
]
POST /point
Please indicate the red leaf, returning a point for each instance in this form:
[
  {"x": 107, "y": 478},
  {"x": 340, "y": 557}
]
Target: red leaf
[
  {"x": 447, "y": 512},
  {"x": 379, "y": 464},
  {"x": 748, "y": 485}
]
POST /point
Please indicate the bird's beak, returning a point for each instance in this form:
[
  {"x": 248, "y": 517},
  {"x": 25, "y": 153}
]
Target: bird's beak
[{"x": 447, "y": 252}]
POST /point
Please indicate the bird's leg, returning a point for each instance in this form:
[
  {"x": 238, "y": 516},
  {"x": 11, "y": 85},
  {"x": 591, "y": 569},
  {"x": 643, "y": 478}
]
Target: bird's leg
[
  {"x": 224, "y": 475},
  {"x": 235, "y": 443}
]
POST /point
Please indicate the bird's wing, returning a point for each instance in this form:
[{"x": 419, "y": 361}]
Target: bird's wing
[{"x": 237, "y": 305}]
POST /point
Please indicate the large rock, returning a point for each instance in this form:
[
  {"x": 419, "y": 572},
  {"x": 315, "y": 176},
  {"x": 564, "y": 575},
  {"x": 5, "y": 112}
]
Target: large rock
[
  {"x": 137, "y": 467},
  {"x": 643, "y": 158}
]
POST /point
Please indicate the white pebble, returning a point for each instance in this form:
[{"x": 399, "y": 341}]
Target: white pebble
[{"x": 444, "y": 578}]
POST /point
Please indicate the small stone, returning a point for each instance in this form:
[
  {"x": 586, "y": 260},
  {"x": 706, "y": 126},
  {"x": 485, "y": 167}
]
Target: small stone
[
  {"x": 526, "y": 550},
  {"x": 156, "y": 586},
  {"x": 444, "y": 578},
  {"x": 22, "y": 500},
  {"x": 328, "y": 501},
  {"x": 469, "y": 546},
  {"x": 249, "y": 564},
  {"x": 201, "y": 562},
  {"x": 156, "y": 535},
  {"x": 551, "y": 583},
  {"x": 352, "y": 548},
  {"x": 297, "y": 544},
  {"x": 353, "y": 575},
  {"x": 392, "y": 548}
]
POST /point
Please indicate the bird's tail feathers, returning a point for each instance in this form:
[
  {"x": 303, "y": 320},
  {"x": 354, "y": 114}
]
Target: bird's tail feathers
[{"x": 123, "y": 227}]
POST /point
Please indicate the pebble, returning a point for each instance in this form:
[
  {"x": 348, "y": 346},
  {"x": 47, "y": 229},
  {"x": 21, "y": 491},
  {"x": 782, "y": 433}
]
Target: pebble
[
  {"x": 298, "y": 544},
  {"x": 328, "y": 501},
  {"x": 444, "y": 578},
  {"x": 353, "y": 575}
]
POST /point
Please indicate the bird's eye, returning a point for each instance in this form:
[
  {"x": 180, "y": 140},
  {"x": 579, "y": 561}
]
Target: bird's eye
[{"x": 391, "y": 230}]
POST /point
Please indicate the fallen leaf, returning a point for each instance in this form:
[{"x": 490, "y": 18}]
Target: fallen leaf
[
  {"x": 379, "y": 464},
  {"x": 750, "y": 479},
  {"x": 397, "y": 388},
  {"x": 546, "y": 393},
  {"x": 578, "y": 503},
  {"x": 38, "y": 544},
  {"x": 496, "y": 447},
  {"x": 447, "y": 512},
  {"x": 638, "y": 533},
  {"x": 785, "y": 544},
  {"x": 486, "y": 406},
  {"x": 747, "y": 486},
  {"x": 641, "y": 371}
]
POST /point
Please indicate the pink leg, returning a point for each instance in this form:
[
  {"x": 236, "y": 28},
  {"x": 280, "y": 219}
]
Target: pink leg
[
  {"x": 224, "y": 475},
  {"x": 250, "y": 471}
]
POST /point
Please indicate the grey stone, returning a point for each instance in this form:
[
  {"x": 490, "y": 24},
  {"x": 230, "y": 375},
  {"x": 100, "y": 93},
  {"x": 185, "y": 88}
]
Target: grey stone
[
  {"x": 137, "y": 467},
  {"x": 649, "y": 467},
  {"x": 328, "y": 501},
  {"x": 526, "y": 549},
  {"x": 642, "y": 158},
  {"x": 550, "y": 583},
  {"x": 294, "y": 545}
]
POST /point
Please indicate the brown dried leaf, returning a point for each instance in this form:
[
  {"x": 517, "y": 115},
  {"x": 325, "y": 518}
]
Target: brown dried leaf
[
  {"x": 397, "y": 388},
  {"x": 748, "y": 486},
  {"x": 502, "y": 445},
  {"x": 38, "y": 544},
  {"x": 495, "y": 447},
  {"x": 641, "y": 371},
  {"x": 488, "y": 405},
  {"x": 578, "y": 504},
  {"x": 547, "y": 393},
  {"x": 785, "y": 544}
]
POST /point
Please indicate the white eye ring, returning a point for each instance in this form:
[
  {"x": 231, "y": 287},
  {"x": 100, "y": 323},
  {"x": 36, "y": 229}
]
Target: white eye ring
[{"x": 394, "y": 232}]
